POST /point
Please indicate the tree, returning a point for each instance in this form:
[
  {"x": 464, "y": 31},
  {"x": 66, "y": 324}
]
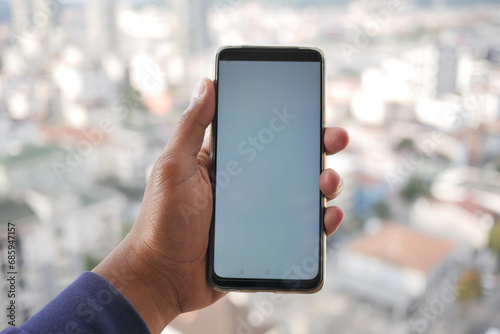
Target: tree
[
  {"x": 381, "y": 210},
  {"x": 469, "y": 287},
  {"x": 494, "y": 238},
  {"x": 131, "y": 104},
  {"x": 414, "y": 188},
  {"x": 494, "y": 242},
  {"x": 405, "y": 144},
  {"x": 91, "y": 262}
]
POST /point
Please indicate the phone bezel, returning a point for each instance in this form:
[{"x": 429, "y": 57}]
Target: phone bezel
[{"x": 267, "y": 53}]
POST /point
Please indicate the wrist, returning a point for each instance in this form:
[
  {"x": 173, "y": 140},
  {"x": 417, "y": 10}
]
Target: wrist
[{"x": 130, "y": 271}]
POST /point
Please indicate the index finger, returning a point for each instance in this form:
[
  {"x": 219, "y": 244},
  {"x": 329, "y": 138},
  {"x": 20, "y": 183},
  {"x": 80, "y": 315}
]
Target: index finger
[{"x": 335, "y": 139}]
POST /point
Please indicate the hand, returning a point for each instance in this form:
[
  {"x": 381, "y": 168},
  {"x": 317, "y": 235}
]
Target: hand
[{"x": 164, "y": 255}]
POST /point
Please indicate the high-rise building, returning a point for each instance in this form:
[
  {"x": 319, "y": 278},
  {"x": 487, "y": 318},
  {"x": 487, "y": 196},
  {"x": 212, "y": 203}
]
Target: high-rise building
[
  {"x": 192, "y": 33},
  {"x": 33, "y": 18},
  {"x": 43, "y": 16},
  {"x": 21, "y": 12},
  {"x": 446, "y": 70},
  {"x": 432, "y": 71},
  {"x": 101, "y": 30}
]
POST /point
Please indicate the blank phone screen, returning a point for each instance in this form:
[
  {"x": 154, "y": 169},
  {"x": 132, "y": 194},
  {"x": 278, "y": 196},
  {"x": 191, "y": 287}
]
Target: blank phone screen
[{"x": 268, "y": 161}]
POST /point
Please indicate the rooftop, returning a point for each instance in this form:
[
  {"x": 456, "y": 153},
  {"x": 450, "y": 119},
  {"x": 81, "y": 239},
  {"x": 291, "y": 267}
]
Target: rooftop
[
  {"x": 11, "y": 211},
  {"x": 65, "y": 134},
  {"x": 30, "y": 153},
  {"x": 403, "y": 247}
]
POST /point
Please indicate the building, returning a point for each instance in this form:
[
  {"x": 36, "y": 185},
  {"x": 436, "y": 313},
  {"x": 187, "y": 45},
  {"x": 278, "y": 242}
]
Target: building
[
  {"x": 191, "y": 37},
  {"x": 393, "y": 266},
  {"x": 460, "y": 184},
  {"x": 446, "y": 81},
  {"x": 30, "y": 167},
  {"x": 492, "y": 330},
  {"x": 101, "y": 30},
  {"x": 24, "y": 221},
  {"x": 32, "y": 21},
  {"x": 44, "y": 12},
  {"x": 21, "y": 18},
  {"x": 432, "y": 70},
  {"x": 71, "y": 225},
  {"x": 464, "y": 223},
  {"x": 192, "y": 32},
  {"x": 59, "y": 235},
  {"x": 472, "y": 73}
]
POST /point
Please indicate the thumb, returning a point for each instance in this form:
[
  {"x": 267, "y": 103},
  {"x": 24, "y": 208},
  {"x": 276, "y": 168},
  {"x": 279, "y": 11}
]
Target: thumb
[{"x": 187, "y": 139}]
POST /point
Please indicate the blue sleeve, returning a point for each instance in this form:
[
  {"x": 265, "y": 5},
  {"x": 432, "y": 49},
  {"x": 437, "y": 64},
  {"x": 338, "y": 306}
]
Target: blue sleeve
[{"x": 89, "y": 305}]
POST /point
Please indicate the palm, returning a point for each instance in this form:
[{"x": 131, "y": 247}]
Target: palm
[{"x": 183, "y": 202}]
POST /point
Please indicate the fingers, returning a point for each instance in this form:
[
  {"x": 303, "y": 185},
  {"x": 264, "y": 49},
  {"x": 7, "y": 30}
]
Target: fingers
[
  {"x": 333, "y": 217},
  {"x": 330, "y": 183},
  {"x": 336, "y": 139},
  {"x": 188, "y": 135}
]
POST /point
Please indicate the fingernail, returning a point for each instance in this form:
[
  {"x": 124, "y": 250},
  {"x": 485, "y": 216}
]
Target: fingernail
[
  {"x": 340, "y": 187},
  {"x": 200, "y": 89}
]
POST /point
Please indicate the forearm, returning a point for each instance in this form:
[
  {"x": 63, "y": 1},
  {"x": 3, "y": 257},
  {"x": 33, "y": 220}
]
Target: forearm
[{"x": 91, "y": 304}]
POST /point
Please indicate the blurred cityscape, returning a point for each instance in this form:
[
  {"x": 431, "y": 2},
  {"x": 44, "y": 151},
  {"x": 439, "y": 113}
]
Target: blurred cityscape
[{"x": 90, "y": 91}]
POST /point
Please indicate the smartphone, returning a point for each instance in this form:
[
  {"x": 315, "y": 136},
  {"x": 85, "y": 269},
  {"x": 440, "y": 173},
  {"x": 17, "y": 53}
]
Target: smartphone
[{"x": 267, "y": 155}]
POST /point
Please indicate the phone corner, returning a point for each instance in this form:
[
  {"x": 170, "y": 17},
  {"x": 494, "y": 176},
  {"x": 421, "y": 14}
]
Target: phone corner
[
  {"x": 319, "y": 287},
  {"x": 320, "y": 52},
  {"x": 225, "y": 47}
]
